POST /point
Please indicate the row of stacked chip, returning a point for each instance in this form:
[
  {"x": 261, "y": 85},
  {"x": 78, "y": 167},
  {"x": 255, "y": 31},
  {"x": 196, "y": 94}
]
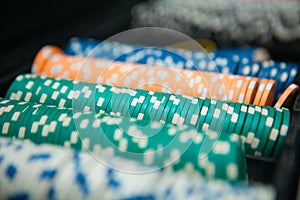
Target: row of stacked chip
[
  {"x": 262, "y": 128},
  {"x": 63, "y": 174}
]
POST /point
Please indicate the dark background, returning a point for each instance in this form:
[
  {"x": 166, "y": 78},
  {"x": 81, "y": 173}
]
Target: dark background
[{"x": 26, "y": 26}]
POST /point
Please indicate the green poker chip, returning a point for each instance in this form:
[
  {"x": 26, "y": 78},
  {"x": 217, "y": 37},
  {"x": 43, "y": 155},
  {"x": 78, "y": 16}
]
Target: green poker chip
[
  {"x": 247, "y": 123},
  {"x": 193, "y": 114},
  {"x": 229, "y": 112},
  {"x": 214, "y": 125},
  {"x": 282, "y": 133},
  {"x": 25, "y": 114},
  {"x": 108, "y": 97},
  {"x": 36, "y": 116},
  {"x": 161, "y": 108},
  {"x": 221, "y": 120},
  {"x": 149, "y": 108},
  {"x": 123, "y": 104},
  {"x": 175, "y": 105},
  {"x": 45, "y": 134},
  {"x": 91, "y": 102},
  {"x": 105, "y": 97},
  {"x": 12, "y": 125},
  {"x": 252, "y": 131},
  {"x": 186, "y": 106},
  {"x": 210, "y": 113},
  {"x": 141, "y": 114},
  {"x": 267, "y": 129},
  {"x": 274, "y": 133},
  {"x": 51, "y": 117},
  {"x": 202, "y": 113},
  {"x": 116, "y": 101},
  {"x": 234, "y": 118},
  {"x": 138, "y": 105},
  {"x": 126, "y": 110},
  {"x": 178, "y": 112},
  {"x": 167, "y": 108},
  {"x": 63, "y": 129},
  {"x": 258, "y": 134},
  {"x": 137, "y": 102},
  {"x": 152, "y": 109},
  {"x": 241, "y": 119}
]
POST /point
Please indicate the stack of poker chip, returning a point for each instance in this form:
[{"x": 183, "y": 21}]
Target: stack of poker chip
[
  {"x": 164, "y": 146},
  {"x": 115, "y": 51},
  {"x": 229, "y": 20},
  {"x": 51, "y": 62},
  {"x": 225, "y": 61},
  {"x": 262, "y": 128},
  {"x": 30, "y": 171}
]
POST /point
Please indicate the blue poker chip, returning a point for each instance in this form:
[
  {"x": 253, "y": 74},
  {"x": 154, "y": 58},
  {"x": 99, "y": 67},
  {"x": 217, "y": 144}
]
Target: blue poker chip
[
  {"x": 274, "y": 71},
  {"x": 255, "y": 68},
  {"x": 293, "y": 71},
  {"x": 281, "y": 68},
  {"x": 282, "y": 78},
  {"x": 264, "y": 70},
  {"x": 244, "y": 67}
]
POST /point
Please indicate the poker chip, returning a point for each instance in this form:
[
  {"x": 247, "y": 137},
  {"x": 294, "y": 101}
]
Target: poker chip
[
  {"x": 178, "y": 115},
  {"x": 242, "y": 94},
  {"x": 269, "y": 93},
  {"x": 251, "y": 90},
  {"x": 260, "y": 131},
  {"x": 228, "y": 115},
  {"x": 138, "y": 102},
  {"x": 234, "y": 118},
  {"x": 89, "y": 126},
  {"x": 247, "y": 124},
  {"x": 287, "y": 97},
  {"x": 210, "y": 112},
  {"x": 216, "y": 120},
  {"x": 284, "y": 127},
  {"x": 292, "y": 75},
  {"x": 250, "y": 143},
  {"x": 241, "y": 118},
  {"x": 142, "y": 112},
  {"x": 274, "y": 133},
  {"x": 203, "y": 110},
  {"x": 222, "y": 124},
  {"x": 185, "y": 107},
  {"x": 260, "y": 91},
  {"x": 265, "y": 134},
  {"x": 162, "y": 107}
]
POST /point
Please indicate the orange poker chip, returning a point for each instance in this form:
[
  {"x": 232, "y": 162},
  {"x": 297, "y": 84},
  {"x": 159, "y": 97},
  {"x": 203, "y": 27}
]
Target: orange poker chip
[
  {"x": 268, "y": 94},
  {"x": 242, "y": 93},
  {"x": 260, "y": 91},
  {"x": 288, "y": 96},
  {"x": 232, "y": 89},
  {"x": 251, "y": 90},
  {"x": 237, "y": 88}
]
